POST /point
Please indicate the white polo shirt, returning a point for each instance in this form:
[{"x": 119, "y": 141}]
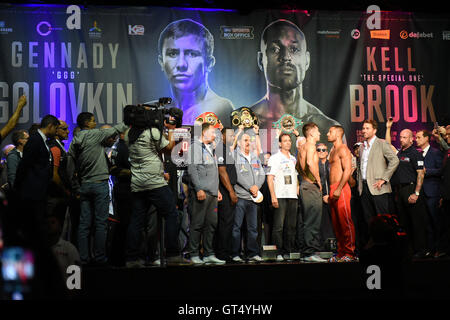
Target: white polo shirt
[
  {"x": 365, "y": 156},
  {"x": 285, "y": 175}
]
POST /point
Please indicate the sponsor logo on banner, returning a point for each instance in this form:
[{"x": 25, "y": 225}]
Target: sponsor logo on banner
[
  {"x": 380, "y": 34},
  {"x": 355, "y": 34},
  {"x": 336, "y": 34},
  {"x": 404, "y": 34},
  {"x": 137, "y": 30},
  {"x": 95, "y": 32},
  {"x": 238, "y": 32},
  {"x": 44, "y": 28},
  {"x": 416, "y": 35},
  {"x": 445, "y": 35},
  {"x": 4, "y": 29}
]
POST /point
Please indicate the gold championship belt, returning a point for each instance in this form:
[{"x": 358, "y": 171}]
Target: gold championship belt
[
  {"x": 287, "y": 123},
  {"x": 209, "y": 117},
  {"x": 244, "y": 116}
]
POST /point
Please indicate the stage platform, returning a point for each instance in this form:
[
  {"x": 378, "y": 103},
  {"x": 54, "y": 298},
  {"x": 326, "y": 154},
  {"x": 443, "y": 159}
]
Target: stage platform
[{"x": 427, "y": 279}]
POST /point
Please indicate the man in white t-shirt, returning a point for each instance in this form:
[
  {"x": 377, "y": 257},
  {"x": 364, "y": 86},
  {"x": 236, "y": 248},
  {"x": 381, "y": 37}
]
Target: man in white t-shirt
[{"x": 283, "y": 185}]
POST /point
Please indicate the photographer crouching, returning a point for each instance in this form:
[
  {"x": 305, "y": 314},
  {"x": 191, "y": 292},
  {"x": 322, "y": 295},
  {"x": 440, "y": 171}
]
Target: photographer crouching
[{"x": 147, "y": 140}]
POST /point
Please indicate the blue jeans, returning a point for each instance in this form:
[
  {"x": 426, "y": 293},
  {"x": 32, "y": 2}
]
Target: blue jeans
[
  {"x": 249, "y": 210},
  {"x": 93, "y": 195},
  {"x": 162, "y": 198}
]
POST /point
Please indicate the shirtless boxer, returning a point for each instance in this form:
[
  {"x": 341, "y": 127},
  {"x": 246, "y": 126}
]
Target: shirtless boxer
[
  {"x": 311, "y": 193},
  {"x": 340, "y": 195}
]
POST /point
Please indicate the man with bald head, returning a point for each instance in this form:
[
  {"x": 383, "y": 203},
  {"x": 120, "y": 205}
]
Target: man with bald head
[
  {"x": 408, "y": 180},
  {"x": 284, "y": 59},
  {"x": 59, "y": 190}
]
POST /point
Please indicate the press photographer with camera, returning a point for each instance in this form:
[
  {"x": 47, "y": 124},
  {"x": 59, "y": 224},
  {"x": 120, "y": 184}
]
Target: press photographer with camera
[{"x": 147, "y": 140}]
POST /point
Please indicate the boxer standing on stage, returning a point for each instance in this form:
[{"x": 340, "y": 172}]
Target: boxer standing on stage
[
  {"x": 340, "y": 195},
  {"x": 311, "y": 194}
]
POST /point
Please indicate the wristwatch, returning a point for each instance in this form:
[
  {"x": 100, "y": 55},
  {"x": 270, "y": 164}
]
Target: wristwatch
[{"x": 417, "y": 193}]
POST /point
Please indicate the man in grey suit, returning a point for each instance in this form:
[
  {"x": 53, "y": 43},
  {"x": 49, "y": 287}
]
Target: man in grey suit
[{"x": 377, "y": 165}]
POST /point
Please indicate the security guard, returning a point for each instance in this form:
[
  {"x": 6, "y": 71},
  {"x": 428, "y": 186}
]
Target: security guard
[{"x": 408, "y": 180}]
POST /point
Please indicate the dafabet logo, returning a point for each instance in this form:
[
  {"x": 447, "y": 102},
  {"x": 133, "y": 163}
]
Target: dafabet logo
[{"x": 416, "y": 35}]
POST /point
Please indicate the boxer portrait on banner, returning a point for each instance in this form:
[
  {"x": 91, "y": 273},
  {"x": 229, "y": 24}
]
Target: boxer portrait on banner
[
  {"x": 284, "y": 59},
  {"x": 186, "y": 57}
]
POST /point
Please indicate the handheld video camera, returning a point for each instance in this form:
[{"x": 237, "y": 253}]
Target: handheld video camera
[{"x": 152, "y": 115}]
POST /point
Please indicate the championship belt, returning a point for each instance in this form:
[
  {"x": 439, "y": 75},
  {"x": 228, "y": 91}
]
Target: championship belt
[
  {"x": 287, "y": 123},
  {"x": 209, "y": 117},
  {"x": 244, "y": 116}
]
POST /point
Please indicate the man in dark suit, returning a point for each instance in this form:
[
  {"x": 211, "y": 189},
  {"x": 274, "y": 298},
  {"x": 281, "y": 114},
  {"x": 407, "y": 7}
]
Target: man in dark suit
[
  {"x": 431, "y": 186},
  {"x": 32, "y": 181},
  {"x": 33, "y": 178}
]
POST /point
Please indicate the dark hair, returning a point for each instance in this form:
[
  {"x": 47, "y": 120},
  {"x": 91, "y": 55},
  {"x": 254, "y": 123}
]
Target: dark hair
[
  {"x": 340, "y": 128},
  {"x": 83, "y": 118},
  {"x": 49, "y": 120},
  {"x": 282, "y": 135},
  {"x": 425, "y": 133},
  {"x": 16, "y": 135},
  {"x": 206, "y": 126},
  {"x": 307, "y": 127},
  {"x": 34, "y": 127},
  {"x": 372, "y": 122},
  {"x": 184, "y": 27}
]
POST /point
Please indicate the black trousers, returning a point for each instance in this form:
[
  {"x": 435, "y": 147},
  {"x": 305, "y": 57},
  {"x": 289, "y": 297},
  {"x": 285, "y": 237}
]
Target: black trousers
[
  {"x": 225, "y": 221},
  {"x": 372, "y": 205},
  {"x": 413, "y": 217},
  {"x": 284, "y": 225},
  {"x": 357, "y": 217},
  {"x": 308, "y": 222},
  {"x": 326, "y": 226},
  {"x": 123, "y": 209}
]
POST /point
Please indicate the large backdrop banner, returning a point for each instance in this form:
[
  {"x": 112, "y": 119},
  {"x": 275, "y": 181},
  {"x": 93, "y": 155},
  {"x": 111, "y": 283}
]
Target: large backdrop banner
[{"x": 327, "y": 67}]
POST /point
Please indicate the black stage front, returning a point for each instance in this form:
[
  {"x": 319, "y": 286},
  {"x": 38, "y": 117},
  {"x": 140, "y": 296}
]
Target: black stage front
[{"x": 427, "y": 279}]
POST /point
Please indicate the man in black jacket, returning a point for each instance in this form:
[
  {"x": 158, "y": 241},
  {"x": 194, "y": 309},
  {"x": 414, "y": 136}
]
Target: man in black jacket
[
  {"x": 431, "y": 186},
  {"x": 33, "y": 178}
]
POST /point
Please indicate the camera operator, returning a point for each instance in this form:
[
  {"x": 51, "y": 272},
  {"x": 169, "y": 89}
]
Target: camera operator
[{"x": 147, "y": 142}]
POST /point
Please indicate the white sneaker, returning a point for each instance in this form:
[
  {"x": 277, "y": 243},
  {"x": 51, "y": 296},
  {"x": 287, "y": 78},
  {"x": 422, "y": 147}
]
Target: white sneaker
[
  {"x": 197, "y": 260},
  {"x": 314, "y": 258},
  {"x": 255, "y": 259},
  {"x": 237, "y": 259},
  {"x": 213, "y": 259},
  {"x": 280, "y": 258},
  {"x": 156, "y": 262}
]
